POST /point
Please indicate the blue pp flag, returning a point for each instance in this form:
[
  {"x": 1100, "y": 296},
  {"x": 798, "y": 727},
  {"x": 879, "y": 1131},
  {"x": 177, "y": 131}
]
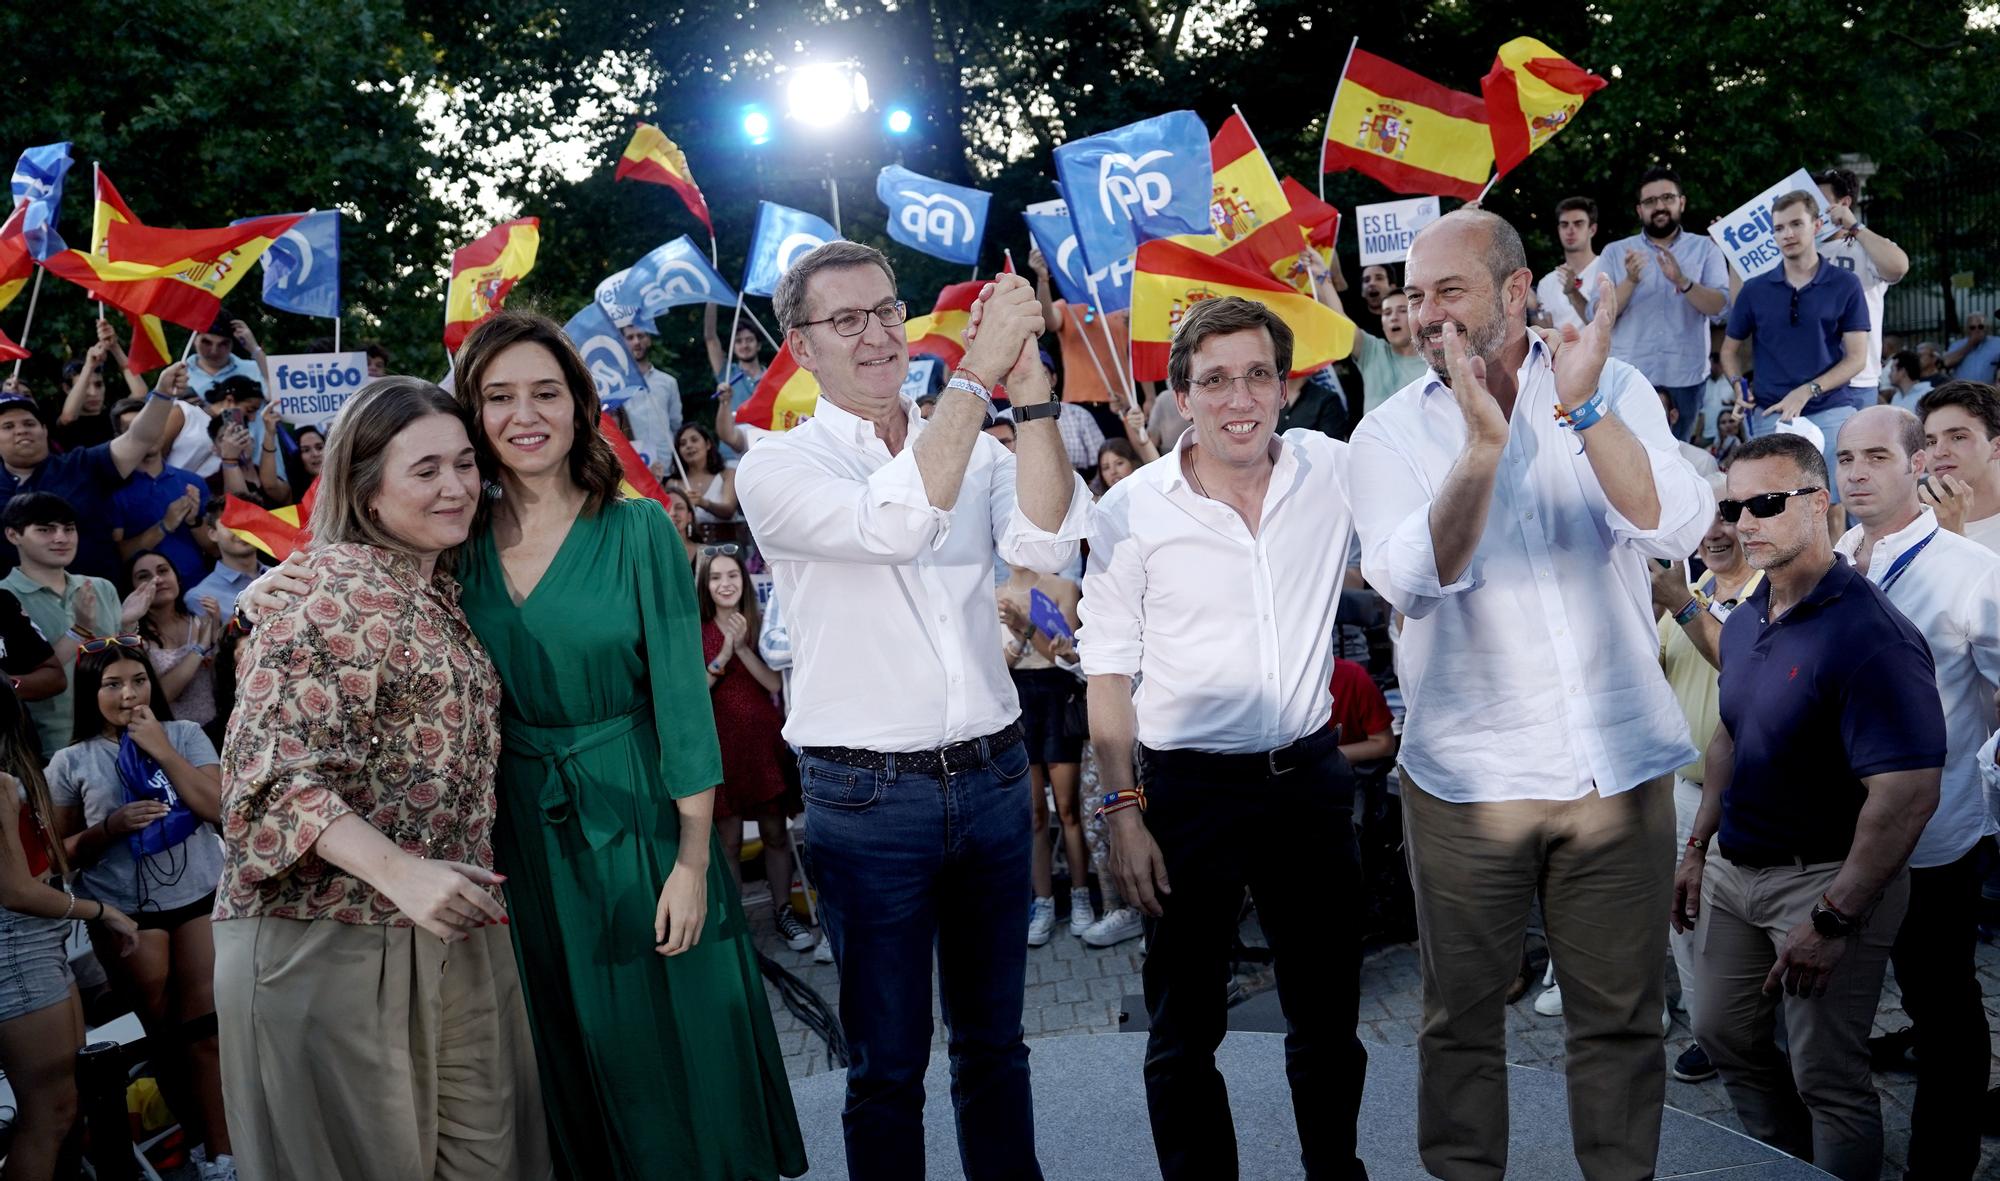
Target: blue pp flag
[
  {"x": 942, "y": 220},
  {"x": 621, "y": 315},
  {"x": 783, "y": 236},
  {"x": 1050, "y": 226},
  {"x": 38, "y": 180},
  {"x": 1149, "y": 179},
  {"x": 670, "y": 276},
  {"x": 604, "y": 353},
  {"x": 302, "y": 268}
]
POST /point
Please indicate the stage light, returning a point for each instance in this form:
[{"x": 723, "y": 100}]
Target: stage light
[
  {"x": 823, "y": 94},
  {"x": 756, "y": 126},
  {"x": 899, "y": 121}
]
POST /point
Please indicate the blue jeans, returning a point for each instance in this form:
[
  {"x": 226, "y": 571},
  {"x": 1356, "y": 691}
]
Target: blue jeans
[
  {"x": 1829, "y": 421},
  {"x": 1687, "y": 405},
  {"x": 907, "y": 865}
]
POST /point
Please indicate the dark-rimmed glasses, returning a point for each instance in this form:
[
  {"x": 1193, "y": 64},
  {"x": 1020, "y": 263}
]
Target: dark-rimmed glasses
[
  {"x": 854, "y": 321},
  {"x": 1762, "y": 506}
]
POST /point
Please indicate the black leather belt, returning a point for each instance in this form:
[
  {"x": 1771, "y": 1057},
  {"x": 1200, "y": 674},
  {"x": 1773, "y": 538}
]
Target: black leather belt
[
  {"x": 1250, "y": 764},
  {"x": 1773, "y": 858},
  {"x": 957, "y": 758}
]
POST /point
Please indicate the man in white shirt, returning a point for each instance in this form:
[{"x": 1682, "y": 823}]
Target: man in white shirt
[
  {"x": 656, "y": 414},
  {"x": 1879, "y": 263},
  {"x": 1962, "y": 442},
  {"x": 1949, "y": 587},
  {"x": 1540, "y": 743},
  {"x": 1214, "y": 577},
  {"x": 1561, "y": 291},
  {"x": 1905, "y": 388},
  {"x": 880, "y": 527}
]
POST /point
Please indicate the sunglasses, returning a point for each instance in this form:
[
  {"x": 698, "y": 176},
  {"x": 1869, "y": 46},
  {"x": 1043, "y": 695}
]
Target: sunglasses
[
  {"x": 728, "y": 549},
  {"x": 1763, "y": 506},
  {"x": 106, "y": 643}
]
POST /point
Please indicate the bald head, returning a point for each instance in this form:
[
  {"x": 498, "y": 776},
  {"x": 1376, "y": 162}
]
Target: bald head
[
  {"x": 1876, "y": 426},
  {"x": 1877, "y": 460},
  {"x": 1488, "y": 234},
  {"x": 1468, "y": 268}
]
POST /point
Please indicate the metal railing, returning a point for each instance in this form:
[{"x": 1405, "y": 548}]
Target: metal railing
[{"x": 1949, "y": 223}]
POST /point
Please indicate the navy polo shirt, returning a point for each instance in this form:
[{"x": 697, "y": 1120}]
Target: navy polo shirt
[
  {"x": 1839, "y": 689},
  {"x": 1789, "y": 352},
  {"x": 87, "y": 479},
  {"x": 142, "y": 503}
]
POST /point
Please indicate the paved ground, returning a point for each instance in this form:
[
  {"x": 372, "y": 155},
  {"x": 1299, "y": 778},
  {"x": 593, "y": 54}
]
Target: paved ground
[{"x": 1077, "y": 989}]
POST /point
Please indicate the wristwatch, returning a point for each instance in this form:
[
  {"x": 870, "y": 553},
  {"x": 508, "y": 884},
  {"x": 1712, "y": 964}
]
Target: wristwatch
[
  {"x": 1048, "y": 409},
  {"x": 1830, "y": 922},
  {"x": 1814, "y": 387}
]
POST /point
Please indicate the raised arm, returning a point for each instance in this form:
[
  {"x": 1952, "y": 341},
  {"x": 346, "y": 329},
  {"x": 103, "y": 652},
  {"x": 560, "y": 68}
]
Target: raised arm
[
  {"x": 1006, "y": 321},
  {"x": 1051, "y": 316},
  {"x": 718, "y": 357}
]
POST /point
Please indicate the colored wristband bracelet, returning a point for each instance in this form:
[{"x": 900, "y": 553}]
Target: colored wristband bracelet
[
  {"x": 1686, "y": 614},
  {"x": 1585, "y": 416}
]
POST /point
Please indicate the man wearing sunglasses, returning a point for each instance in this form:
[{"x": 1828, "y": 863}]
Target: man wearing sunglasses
[
  {"x": 1817, "y": 785},
  {"x": 1506, "y": 503},
  {"x": 880, "y": 528},
  {"x": 1810, "y": 321}
]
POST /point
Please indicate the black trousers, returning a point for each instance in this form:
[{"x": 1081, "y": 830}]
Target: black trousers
[
  {"x": 1935, "y": 968},
  {"x": 1226, "y": 824}
]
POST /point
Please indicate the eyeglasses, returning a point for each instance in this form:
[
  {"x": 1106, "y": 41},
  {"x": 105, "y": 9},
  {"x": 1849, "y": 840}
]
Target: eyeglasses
[
  {"x": 1663, "y": 199},
  {"x": 1762, "y": 507},
  {"x": 106, "y": 643},
  {"x": 1259, "y": 379},
  {"x": 854, "y": 321},
  {"x": 728, "y": 549}
]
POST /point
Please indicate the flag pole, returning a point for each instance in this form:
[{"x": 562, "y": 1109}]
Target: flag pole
[
  {"x": 1103, "y": 318},
  {"x": 1110, "y": 387},
  {"x": 33, "y": 297},
  {"x": 190, "y": 346},
  {"x": 1330, "y": 107},
  {"x": 336, "y": 334},
  {"x": 762, "y": 331},
  {"x": 95, "y": 185},
  {"x": 714, "y": 259},
  {"x": 729, "y": 354},
  {"x": 1480, "y": 200}
]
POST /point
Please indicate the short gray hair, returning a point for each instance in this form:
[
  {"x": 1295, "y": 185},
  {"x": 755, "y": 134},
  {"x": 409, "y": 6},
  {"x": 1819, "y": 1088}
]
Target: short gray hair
[
  {"x": 790, "y": 299},
  {"x": 1504, "y": 252}
]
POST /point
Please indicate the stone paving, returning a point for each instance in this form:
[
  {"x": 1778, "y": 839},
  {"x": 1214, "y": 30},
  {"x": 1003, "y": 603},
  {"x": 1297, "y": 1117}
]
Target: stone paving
[{"x": 1077, "y": 989}]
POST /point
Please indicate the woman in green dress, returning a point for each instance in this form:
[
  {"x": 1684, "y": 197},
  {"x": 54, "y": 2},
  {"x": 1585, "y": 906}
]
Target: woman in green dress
[{"x": 657, "y": 1051}]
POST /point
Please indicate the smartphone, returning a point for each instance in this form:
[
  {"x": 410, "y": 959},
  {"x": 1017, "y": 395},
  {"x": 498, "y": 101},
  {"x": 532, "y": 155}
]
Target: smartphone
[
  {"x": 233, "y": 417},
  {"x": 1924, "y": 483}
]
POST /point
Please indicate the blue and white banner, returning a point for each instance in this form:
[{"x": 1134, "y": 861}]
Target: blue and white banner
[
  {"x": 1149, "y": 179},
  {"x": 302, "y": 268},
  {"x": 312, "y": 387},
  {"x": 670, "y": 276},
  {"x": 783, "y": 236},
  {"x": 38, "y": 180},
  {"x": 1050, "y": 225},
  {"x": 1745, "y": 234},
  {"x": 620, "y": 315},
  {"x": 943, "y": 220},
  {"x": 604, "y": 353}
]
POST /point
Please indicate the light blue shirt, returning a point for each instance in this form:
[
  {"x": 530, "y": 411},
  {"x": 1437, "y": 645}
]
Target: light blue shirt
[
  {"x": 656, "y": 416},
  {"x": 1978, "y": 364},
  {"x": 1659, "y": 332},
  {"x": 200, "y": 380},
  {"x": 223, "y": 585},
  {"x": 1909, "y": 398}
]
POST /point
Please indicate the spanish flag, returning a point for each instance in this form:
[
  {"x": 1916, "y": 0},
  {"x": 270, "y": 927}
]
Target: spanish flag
[
  {"x": 1250, "y": 219},
  {"x": 9, "y": 351},
  {"x": 941, "y": 334},
  {"x": 1532, "y": 92},
  {"x": 194, "y": 268},
  {"x": 483, "y": 272},
  {"x": 783, "y": 399},
  {"x": 638, "y": 482},
  {"x": 1406, "y": 131},
  {"x": 1318, "y": 220},
  {"x": 109, "y": 207},
  {"x": 1168, "y": 279},
  {"x": 149, "y": 337},
  {"x": 653, "y": 158},
  {"x": 98, "y": 275},
  {"x": 16, "y": 264},
  {"x": 277, "y": 532}
]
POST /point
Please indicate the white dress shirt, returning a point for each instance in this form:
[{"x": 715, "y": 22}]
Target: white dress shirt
[
  {"x": 1536, "y": 675},
  {"x": 1230, "y": 635},
  {"x": 1951, "y": 592},
  {"x": 889, "y": 600},
  {"x": 1555, "y": 301}
]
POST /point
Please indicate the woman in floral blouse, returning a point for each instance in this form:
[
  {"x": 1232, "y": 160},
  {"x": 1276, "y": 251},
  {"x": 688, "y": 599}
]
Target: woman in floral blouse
[{"x": 371, "y": 1011}]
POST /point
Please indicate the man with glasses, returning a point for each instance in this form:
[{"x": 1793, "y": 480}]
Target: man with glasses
[
  {"x": 1669, "y": 284},
  {"x": 1810, "y": 321},
  {"x": 1818, "y": 783},
  {"x": 1974, "y": 356},
  {"x": 1505, "y": 502},
  {"x": 1214, "y": 575},
  {"x": 880, "y": 528}
]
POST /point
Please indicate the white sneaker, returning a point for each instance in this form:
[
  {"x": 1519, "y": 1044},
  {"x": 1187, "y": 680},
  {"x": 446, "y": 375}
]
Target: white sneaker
[
  {"x": 1115, "y": 928},
  {"x": 1041, "y": 921},
  {"x": 1550, "y": 1003},
  {"x": 1081, "y": 916},
  {"x": 222, "y": 1168},
  {"x": 823, "y": 954}
]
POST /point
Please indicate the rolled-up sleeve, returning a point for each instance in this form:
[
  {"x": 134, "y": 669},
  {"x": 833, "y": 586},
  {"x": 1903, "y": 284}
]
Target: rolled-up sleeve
[
  {"x": 1023, "y": 543},
  {"x": 1687, "y": 502},
  {"x": 798, "y": 510},
  {"x": 299, "y": 733},
  {"x": 1113, "y": 607},
  {"x": 1392, "y": 515}
]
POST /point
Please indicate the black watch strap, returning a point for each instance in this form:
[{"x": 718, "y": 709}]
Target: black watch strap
[{"x": 1048, "y": 409}]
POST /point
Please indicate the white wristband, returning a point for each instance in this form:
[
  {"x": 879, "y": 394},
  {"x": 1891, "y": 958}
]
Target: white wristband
[{"x": 959, "y": 381}]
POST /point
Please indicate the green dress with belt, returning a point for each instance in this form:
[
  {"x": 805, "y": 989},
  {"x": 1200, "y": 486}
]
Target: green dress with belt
[{"x": 651, "y": 1067}]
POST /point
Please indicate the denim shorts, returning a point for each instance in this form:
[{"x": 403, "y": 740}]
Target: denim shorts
[{"x": 34, "y": 967}]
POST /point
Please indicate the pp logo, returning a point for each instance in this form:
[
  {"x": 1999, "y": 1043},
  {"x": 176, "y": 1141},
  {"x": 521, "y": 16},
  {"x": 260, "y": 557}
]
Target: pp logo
[
  {"x": 1150, "y": 190},
  {"x": 678, "y": 282},
  {"x": 1070, "y": 263},
  {"x": 292, "y": 258},
  {"x": 606, "y": 359},
  {"x": 937, "y": 214},
  {"x": 794, "y": 246}
]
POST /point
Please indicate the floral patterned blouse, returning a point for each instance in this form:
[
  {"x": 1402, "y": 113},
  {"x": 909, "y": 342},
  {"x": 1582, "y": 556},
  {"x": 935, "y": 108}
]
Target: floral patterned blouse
[{"x": 367, "y": 696}]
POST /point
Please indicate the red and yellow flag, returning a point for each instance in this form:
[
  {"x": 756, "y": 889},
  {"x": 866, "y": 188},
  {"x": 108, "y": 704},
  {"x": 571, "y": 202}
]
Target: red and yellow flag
[
  {"x": 103, "y": 279},
  {"x": 783, "y": 399},
  {"x": 277, "y": 532},
  {"x": 941, "y": 334},
  {"x": 194, "y": 269},
  {"x": 653, "y": 158},
  {"x": 9, "y": 351},
  {"x": 1406, "y": 131},
  {"x": 108, "y": 207},
  {"x": 1532, "y": 92},
  {"x": 16, "y": 264},
  {"x": 1319, "y": 220},
  {"x": 638, "y": 482},
  {"x": 1168, "y": 279},
  {"x": 483, "y": 272},
  {"x": 1250, "y": 218}
]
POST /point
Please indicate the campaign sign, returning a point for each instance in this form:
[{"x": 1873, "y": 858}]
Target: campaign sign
[
  {"x": 1386, "y": 230},
  {"x": 1745, "y": 235},
  {"x": 917, "y": 382},
  {"x": 1045, "y": 615},
  {"x": 312, "y": 387}
]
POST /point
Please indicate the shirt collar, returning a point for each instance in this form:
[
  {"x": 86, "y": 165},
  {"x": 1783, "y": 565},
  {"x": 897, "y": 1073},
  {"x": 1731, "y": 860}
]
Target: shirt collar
[
  {"x": 1896, "y": 544},
  {"x": 1830, "y": 586},
  {"x": 852, "y": 428},
  {"x": 1173, "y": 474}
]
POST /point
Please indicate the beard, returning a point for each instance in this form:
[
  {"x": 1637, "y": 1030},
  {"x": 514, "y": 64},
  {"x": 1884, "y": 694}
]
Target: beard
[
  {"x": 1655, "y": 228},
  {"x": 1483, "y": 340}
]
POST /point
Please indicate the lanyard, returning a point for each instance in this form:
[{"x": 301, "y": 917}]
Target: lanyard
[{"x": 1901, "y": 564}]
